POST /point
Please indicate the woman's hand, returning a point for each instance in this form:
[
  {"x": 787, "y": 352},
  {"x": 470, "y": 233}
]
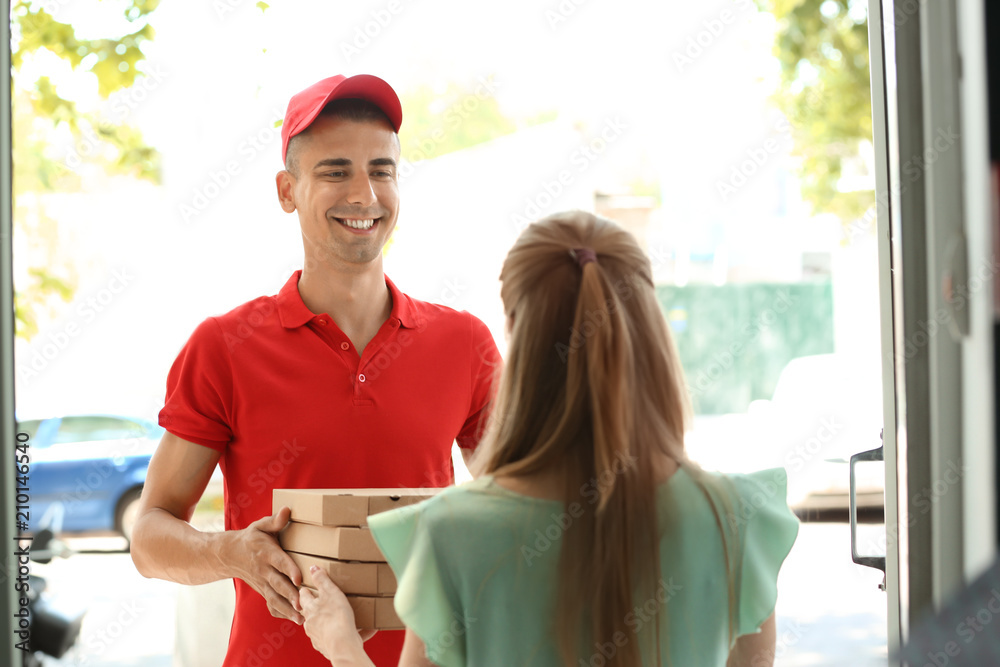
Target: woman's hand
[{"x": 330, "y": 622}]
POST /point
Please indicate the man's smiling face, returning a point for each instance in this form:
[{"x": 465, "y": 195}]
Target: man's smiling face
[{"x": 345, "y": 189}]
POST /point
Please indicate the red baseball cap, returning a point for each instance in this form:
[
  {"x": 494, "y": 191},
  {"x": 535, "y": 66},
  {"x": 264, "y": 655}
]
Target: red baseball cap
[{"x": 306, "y": 105}]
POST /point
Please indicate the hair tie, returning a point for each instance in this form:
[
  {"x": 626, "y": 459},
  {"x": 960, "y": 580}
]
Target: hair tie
[{"x": 583, "y": 256}]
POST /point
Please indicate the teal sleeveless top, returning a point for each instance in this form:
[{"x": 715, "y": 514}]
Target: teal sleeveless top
[{"x": 477, "y": 570}]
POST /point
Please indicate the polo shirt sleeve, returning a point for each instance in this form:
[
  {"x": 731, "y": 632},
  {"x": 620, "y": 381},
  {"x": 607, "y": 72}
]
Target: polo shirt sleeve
[
  {"x": 484, "y": 369},
  {"x": 199, "y": 396}
]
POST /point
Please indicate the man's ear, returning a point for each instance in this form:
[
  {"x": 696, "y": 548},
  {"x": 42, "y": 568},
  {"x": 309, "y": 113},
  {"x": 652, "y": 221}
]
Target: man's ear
[{"x": 286, "y": 190}]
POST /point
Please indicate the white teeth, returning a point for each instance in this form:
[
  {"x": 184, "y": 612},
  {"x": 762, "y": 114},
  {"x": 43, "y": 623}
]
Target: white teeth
[{"x": 359, "y": 224}]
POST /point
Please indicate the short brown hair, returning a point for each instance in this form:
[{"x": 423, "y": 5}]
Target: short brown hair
[{"x": 355, "y": 110}]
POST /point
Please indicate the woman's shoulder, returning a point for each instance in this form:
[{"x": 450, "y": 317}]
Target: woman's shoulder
[
  {"x": 770, "y": 483},
  {"x": 742, "y": 500}
]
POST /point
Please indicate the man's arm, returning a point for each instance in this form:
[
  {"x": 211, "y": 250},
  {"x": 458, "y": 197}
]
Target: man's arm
[{"x": 166, "y": 546}]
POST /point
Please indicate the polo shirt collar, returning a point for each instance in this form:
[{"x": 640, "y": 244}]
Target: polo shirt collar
[
  {"x": 402, "y": 307},
  {"x": 293, "y": 313}
]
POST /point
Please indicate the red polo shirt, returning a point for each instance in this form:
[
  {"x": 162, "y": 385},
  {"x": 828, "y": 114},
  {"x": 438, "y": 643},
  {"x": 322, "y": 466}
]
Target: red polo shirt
[{"x": 284, "y": 395}]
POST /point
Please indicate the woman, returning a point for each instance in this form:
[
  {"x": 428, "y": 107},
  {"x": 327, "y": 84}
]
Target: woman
[{"x": 588, "y": 538}]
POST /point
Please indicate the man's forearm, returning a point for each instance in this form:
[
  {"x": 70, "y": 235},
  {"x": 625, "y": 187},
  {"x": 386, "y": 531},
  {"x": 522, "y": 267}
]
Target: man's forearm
[{"x": 166, "y": 547}]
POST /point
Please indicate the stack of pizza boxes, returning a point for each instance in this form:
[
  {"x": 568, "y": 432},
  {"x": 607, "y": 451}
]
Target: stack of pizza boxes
[{"x": 329, "y": 529}]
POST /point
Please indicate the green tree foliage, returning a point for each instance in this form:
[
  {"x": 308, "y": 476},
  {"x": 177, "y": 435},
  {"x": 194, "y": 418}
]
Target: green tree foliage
[
  {"x": 438, "y": 122},
  {"x": 822, "y": 46},
  {"x": 44, "y": 160}
]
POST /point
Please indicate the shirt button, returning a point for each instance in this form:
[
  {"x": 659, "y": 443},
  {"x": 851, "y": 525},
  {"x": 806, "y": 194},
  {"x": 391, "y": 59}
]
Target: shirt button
[
  {"x": 361, "y": 377},
  {"x": 345, "y": 346},
  {"x": 323, "y": 322}
]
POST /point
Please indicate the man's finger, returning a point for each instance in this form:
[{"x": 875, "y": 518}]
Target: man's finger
[
  {"x": 284, "y": 564},
  {"x": 281, "y": 608},
  {"x": 284, "y": 587}
]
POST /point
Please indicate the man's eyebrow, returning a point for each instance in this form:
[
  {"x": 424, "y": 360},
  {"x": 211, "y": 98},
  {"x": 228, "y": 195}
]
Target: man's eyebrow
[
  {"x": 333, "y": 162},
  {"x": 344, "y": 162}
]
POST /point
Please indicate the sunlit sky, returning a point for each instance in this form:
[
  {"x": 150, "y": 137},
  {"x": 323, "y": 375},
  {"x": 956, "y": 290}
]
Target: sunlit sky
[{"x": 688, "y": 81}]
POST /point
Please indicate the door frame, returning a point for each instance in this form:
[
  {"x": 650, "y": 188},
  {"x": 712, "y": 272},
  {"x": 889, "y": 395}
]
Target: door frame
[
  {"x": 930, "y": 130},
  {"x": 9, "y": 654},
  {"x": 876, "y": 49}
]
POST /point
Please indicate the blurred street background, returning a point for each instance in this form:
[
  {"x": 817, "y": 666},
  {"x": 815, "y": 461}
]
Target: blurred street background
[{"x": 732, "y": 137}]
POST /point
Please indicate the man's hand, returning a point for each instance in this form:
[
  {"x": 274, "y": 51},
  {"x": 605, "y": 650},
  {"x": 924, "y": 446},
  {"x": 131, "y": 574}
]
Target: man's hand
[
  {"x": 330, "y": 622},
  {"x": 255, "y": 557}
]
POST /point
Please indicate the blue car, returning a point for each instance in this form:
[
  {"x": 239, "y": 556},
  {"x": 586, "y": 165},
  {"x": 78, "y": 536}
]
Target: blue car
[{"x": 87, "y": 471}]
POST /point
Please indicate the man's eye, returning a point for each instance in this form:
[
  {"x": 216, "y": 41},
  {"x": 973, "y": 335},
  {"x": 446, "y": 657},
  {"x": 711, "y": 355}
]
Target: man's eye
[
  {"x": 335, "y": 174},
  {"x": 383, "y": 174}
]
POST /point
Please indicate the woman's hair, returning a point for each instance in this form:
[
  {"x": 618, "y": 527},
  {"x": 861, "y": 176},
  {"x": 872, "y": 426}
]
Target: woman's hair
[{"x": 592, "y": 385}]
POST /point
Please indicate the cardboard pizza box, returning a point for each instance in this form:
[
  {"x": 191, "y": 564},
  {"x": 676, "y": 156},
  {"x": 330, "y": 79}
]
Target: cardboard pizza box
[
  {"x": 340, "y": 542},
  {"x": 370, "y": 579},
  {"x": 386, "y": 580},
  {"x": 344, "y": 507},
  {"x": 374, "y": 613}
]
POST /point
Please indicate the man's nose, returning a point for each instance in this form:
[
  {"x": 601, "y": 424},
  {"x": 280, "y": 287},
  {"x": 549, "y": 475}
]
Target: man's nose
[{"x": 361, "y": 191}]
